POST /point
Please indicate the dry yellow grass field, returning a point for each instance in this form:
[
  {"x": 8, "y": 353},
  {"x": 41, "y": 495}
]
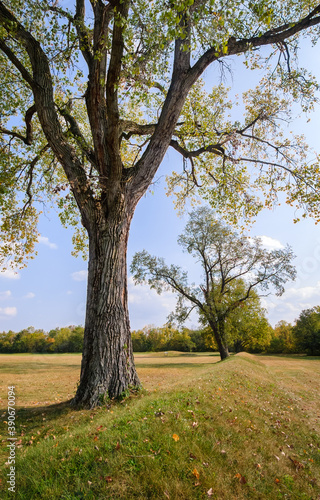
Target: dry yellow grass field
[
  {"x": 44, "y": 379},
  {"x": 246, "y": 428}
]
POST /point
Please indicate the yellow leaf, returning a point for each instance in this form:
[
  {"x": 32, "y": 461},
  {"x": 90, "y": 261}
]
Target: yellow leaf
[
  {"x": 196, "y": 473},
  {"x": 175, "y": 437}
]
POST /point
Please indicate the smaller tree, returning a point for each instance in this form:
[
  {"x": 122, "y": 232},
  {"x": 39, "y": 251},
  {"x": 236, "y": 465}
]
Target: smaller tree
[
  {"x": 225, "y": 258},
  {"x": 247, "y": 328},
  {"x": 307, "y": 331}
]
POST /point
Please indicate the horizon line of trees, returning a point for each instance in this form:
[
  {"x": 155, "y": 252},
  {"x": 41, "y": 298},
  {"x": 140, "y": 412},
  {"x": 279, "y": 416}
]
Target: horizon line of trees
[{"x": 301, "y": 338}]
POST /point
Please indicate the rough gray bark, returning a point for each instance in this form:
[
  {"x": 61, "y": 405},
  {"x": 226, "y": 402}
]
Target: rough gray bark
[{"x": 107, "y": 364}]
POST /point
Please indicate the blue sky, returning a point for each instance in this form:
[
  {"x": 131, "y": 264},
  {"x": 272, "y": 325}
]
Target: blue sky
[{"x": 51, "y": 291}]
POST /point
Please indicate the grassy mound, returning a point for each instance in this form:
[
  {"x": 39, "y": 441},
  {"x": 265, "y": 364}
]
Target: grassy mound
[{"x": 226, "y": 431}]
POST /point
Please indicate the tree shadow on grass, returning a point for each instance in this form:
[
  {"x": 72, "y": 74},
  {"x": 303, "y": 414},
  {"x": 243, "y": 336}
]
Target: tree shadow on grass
[{"x": 35, "y": 416}]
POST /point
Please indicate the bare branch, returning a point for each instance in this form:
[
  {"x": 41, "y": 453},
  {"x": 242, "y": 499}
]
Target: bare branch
[
  {"x": 212, "y": 148},
  {"x": 13, "y": 134},
  {"x": 83, "y": 33},
  {"x": 77, "y": 134},
  {"x": 129, "y": 128},
  {"x": 12, "y": 57},
  {"x": 28, "y": 117},
  {"x": 30, "y": 175}
]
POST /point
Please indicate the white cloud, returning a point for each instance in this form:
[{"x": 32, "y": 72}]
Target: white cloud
[
  {"x": 147, "y": 307},
  {"x": 10, "y": 274},
  {"x": 304, "y": 293},
  {"x": 29, "y": 295},
  {"x": 8, "y": 312},
  {"x": 80, "y": 275},
  {"x": 269, "y": 243},
  {"x": 289, "y": 306},
  {"x": 5, "y": 295},
  {"x": 45, "y": 241}
]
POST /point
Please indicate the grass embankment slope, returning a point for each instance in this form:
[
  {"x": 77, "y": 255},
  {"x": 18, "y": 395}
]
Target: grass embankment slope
[{"x": 245, "y": 428}]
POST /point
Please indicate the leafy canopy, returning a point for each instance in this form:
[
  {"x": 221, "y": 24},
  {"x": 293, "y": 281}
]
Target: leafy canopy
[{"x": 133, "y": 53}]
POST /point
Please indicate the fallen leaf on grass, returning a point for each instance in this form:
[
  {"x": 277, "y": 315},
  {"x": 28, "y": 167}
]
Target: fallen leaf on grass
[
  {"x": 298, "y": 465},
  {"x": 210, "y": 492},
  {"x": 191, "y": 455},
  {"x": 175, "y": 437},
  {"x": 118, "y": 446},
  {"x": 196, "y": 473},
  {"x": 241, "y": 478},
  {"x": 108, "y": 479},
  {"x": 277, "y": 481}
]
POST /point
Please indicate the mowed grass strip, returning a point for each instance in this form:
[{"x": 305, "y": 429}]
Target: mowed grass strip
[{"x": 231, "y": 430}]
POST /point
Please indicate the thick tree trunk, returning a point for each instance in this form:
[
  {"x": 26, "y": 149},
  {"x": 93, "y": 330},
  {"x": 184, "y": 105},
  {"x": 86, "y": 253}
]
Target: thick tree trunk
[
  {"x": 219, "y": 335},
  {"x": 107, "y": 367}
]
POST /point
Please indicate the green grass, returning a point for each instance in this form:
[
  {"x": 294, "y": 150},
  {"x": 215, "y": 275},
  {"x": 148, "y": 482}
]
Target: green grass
[{"x": 247, "y": 428}]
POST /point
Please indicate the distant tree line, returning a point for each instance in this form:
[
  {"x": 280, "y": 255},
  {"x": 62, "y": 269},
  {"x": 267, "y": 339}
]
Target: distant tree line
[
  {"x": 302, "y": 337},
  {"x": 69, "y": 339},
  {"x": 248, "y": 331}
]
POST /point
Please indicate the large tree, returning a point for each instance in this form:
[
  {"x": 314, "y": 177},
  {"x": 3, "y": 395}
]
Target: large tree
[
  {"x": 94, "y": 93},
  {"x": 233, "y": 268}
]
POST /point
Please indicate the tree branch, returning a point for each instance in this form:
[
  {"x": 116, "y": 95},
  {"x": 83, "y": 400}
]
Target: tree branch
[
  {"x": 113, "y": 78},
  {"x": 77, "y": 134},
  {"x": 277, "y": 35},
  {"x": 29, "y": 135},
  {"x": 142, "y": 174},
  {"x": 129, "y": 128},
  {"x": 28, "y": 118},
  {"x": 30, "y": 174},
  {"x": 12, "y": 57},
  {"x": 83, "y": 33},
  {"x": 42, "y": 87},
  {"x": 13, "y": 134},
  {"x": 212, "y": 148}
]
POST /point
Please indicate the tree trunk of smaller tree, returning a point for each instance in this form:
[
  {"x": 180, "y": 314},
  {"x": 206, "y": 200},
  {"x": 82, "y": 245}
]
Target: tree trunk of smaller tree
[
  {"x": 238, "y": 347},
  {"x": 107, "y": 367},
  {"x": 219, "y": 335}
]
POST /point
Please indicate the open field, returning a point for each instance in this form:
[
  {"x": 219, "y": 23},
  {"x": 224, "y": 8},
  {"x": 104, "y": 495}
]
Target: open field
[{"x": 245, "y": 428}]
